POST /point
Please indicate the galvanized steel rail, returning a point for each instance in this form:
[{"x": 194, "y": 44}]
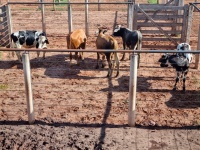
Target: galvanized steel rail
[{"x": 98, "y": 50}]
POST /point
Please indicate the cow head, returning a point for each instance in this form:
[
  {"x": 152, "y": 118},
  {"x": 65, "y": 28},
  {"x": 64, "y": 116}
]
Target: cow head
[
  {"x": 42, "y": 41},
  {"x": 183, "y": 47},
  {"x": 102, "y": 29},
  {"x": 117, "y": 31},
  {"x": 164, "y": 60}
]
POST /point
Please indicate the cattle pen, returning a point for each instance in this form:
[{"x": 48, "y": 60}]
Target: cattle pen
[{"x": 73, "y": 94}]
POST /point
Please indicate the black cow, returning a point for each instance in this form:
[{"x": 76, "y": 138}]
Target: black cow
[
  {"x": 29, "y": 39},
  {"x": 131, "y": 39}
]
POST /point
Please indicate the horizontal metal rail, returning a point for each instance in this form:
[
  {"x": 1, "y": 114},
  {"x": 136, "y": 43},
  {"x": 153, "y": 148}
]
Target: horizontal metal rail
[
  {"x": 81, "y": 3},
  {"x": 99, "y": 50}
]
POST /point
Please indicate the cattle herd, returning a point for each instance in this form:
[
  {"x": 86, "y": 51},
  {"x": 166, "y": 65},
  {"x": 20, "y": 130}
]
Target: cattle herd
[{"x": 131, "y": 39}]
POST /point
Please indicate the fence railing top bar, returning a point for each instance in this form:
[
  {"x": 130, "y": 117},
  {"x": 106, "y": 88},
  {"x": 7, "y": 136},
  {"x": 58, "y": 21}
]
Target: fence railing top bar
[
  {"x": 99, "y": 50},
  {"x": 194, "y": 3},
  {"x": 81, "y": 3}
]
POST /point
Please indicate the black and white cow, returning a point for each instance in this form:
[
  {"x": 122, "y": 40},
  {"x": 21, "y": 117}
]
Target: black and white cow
[
  {"x": 29, "y": 39},
  {"x": 180, "y": 63},
  {"x": 131, "y": 39}
]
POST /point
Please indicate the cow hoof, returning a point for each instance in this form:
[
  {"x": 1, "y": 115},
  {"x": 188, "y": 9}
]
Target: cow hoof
[{"x": 174, "y": 89}]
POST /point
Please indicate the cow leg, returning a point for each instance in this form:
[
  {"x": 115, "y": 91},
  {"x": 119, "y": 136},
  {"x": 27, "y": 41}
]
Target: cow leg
[
  {"x": 19, "y": 56},
  {"x": 117, "y": 63},
  {"x": 18, "y": 52},
  {"x": 77, "y": 57},
  {"x": 110, "y": 69},
  {"x": 124, "y": 46},
  {"x": 184, "y": 79},
  {"x": 103, "y": 61},
  {"x": 83, "y": 45},
  {"x": 81, "y": 56},
  {"x": 70, "y": 57},
  {"x": 138, "y": 66},
  {"x": 38, "y": 54},
  {"x": 177, "y": 80},
  {"x": 98, "y": 57},
  {"x": 44, "y": 55}
]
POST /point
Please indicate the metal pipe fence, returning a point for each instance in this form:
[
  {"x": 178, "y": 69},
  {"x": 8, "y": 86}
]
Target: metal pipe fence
[{"x": 69, "y": 87}]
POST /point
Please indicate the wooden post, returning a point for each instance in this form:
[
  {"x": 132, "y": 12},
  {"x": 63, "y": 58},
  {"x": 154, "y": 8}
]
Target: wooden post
[
  {"x": 132, "y": 90},
  {"x": 10, "y": 30},
  {"x": 189, "y": 24},
  {"x": 54, "y": 7},
  {"x": 39, "y": 6},
  {"x": 86, "y": 19},
  {"x": 28, "y": 87},
  {"x": 70, "y": 17},
  {"x": 197, "y": 55},
  {"x": 130, "y": 15},
  {"x": 135, "y": 16},
  {"x": 43, "y": 18},
  {"x": 99, "y": 5},
  {"x": 180, "y": 12}
]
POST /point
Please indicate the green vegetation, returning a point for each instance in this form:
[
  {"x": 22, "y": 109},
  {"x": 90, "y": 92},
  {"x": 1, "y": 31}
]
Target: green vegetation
[
  {"x": 61, "y": 1},
  {"x": 3, "y": 86},
  {"x": 153, "y": 1}
]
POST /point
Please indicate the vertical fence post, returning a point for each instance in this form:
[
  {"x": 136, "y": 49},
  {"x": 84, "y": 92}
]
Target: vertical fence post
[
  {"x": 43, "y": 18},
  {"x": 197, "y": 55},
  {"x": 132, "y": 90},
  {"x": 54, "y": 6},
  {"x": 9, "y": 22},
  {"x": 189, "y": 24},
  {"x": 86, "y": 18},
  {"x": 28, "y": 87},
  {"x": 99, "y": 5},
  {"x": 180, "y": 12},
  {"x": 130, "y": 15},
  {"x": 70, "y": 17}
]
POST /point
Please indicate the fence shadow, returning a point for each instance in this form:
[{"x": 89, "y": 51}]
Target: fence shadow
[{"x": 94, "y": 125}]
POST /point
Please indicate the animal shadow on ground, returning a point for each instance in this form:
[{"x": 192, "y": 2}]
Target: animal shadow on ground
[
  {"x": 187, "y": 99},
  {"x": 57, "y": 66},
  {"x": 15, "y": 64},
  {"x": 179, "y": 99}
]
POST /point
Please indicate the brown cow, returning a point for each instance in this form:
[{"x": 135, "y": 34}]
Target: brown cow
[
  {"x": 104, "y": 41},
  {"x": 77, "y": 40}
]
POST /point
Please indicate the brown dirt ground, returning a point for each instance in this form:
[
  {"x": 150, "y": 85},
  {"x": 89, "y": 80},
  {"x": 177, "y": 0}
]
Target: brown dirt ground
[{"x": 77, "y": 107}]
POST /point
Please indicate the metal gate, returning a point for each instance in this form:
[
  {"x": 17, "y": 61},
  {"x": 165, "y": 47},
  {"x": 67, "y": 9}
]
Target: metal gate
[{"x": 162, "y": 26}]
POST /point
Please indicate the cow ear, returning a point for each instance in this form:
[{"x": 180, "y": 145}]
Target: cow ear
[
  {"x": 43, "y": 34},
  {"x": 37, "y": 39},
  {"x": 118, "y": 26},
  {"x": 47, "y": 41}
]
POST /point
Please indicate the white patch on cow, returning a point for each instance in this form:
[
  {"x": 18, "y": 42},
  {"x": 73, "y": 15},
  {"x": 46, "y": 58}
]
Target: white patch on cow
[
  {"x": 42, "y": 43},
  {"x": 116, "y": 30},
  {"x": 187, "y": 55}
]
